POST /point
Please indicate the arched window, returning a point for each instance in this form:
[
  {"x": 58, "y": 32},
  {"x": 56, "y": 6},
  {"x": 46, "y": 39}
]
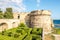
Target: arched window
[
  {"x": 3, "y": 26},
  {"x": 18, "y": 16},
  {"x": 14, "y": 24}
]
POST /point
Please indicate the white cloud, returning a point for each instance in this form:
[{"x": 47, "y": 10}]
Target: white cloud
[
  {"x": 17, "y": 5},
  {"x": 38, "y": 3},
  {"x": 17, "y": 1}
]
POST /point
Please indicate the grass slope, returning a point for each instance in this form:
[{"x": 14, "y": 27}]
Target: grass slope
[{"x": 22, "y": 33}]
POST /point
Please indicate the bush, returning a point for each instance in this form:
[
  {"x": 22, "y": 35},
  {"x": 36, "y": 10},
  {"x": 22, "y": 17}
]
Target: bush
[
  {"x": 2, "y": 32},
  {"x": 37, "y": 31},
  {"x": 36, "y": 37},
  {"x": 28, "y": 30},
  {"x": 8, "y": 14},
  {"x": 22, "y": 33},
  {"x": 57, "y": 31},
  {"x": 10, "y": 34},
  {"x": 1, "y": 14},
  {"x": 22, "y": 25},
  {"x": 16, "y": 35},
  {"x": 22, "y": 36},
  {"x": 18, "y": 31},
  {"x": 53, "y": 37},
  {"x": 29, "y": 37}
]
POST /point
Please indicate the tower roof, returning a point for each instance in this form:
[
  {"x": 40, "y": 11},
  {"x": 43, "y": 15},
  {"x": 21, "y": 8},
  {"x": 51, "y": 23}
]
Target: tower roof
[{"x": 40, "y": 12}]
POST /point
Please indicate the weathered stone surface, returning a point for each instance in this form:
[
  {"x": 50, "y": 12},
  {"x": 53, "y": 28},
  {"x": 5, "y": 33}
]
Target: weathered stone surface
[
  {"x": 42, "y": 19},
  {"x": 48, "y": 37},
  {"x": 56, "y": 36},
  {"x": 8, "y": 24},
  {"x": 38, "y": 19},
  {"x": 46, "y": 12}
]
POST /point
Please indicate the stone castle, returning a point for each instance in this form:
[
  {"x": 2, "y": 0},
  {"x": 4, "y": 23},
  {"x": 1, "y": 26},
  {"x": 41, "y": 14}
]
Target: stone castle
[{"x": 37, "y": 18}]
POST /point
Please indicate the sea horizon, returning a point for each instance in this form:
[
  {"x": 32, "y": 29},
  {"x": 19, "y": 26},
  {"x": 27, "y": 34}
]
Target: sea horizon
[{"x": 56, "y": 23}]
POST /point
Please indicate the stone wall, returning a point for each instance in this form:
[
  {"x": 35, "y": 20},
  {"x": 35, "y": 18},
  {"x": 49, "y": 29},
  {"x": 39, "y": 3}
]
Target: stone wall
[
  {"x": 8, "y": 24},
  {"x": 16, "y": 14},
  {"x": 56, "y": 36},
  {"x": 38, "y": 19},
  {"x": 23, "y": 17},
  {"x": 42, "y": 19}
]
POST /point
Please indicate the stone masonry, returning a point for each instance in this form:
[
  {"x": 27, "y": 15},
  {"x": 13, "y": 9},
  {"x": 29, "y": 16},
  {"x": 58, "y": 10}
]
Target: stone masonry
[{"x": 37, "y": 19}]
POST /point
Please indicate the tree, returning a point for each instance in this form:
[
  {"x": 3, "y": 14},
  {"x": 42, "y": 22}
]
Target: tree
[
  {"x": 1, "y": 14},
  {"x": 22, "y": 25},
  {"x": 8, "y": 14}
]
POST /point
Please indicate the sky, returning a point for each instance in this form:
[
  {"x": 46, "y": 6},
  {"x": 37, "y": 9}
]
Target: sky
[{"x": 30, "y": 5}]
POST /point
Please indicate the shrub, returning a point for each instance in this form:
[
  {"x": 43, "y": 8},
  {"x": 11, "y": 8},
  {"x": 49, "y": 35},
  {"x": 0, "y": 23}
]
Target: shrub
[
  {"x": 28, "y": 30},
  {"x": 56, "y": 31},
  {"x": 10, "y": 34},
  {"x": 36, "y": 37},
  {"x": 2, "y": 32},
  {"x": 8, "y": 14},
  {"x": 1, "y": 14},
  {"x": 16, "y": 35},
  {"x": 23, "y": 36},
  {"x": 18, "y": 31},
  {"x": 53, "y": 37},
  {"x": 37, "y": 31},
  {"x": 21, "y": 31},
  {"x": 29, "y": 37},
  {"x": 22, "y": 25}
]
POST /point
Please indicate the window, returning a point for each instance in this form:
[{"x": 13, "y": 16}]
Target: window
[{"x": 18, "y": 16}]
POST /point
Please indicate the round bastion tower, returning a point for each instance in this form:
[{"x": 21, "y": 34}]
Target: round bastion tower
[{"x": 42, "y": 19}]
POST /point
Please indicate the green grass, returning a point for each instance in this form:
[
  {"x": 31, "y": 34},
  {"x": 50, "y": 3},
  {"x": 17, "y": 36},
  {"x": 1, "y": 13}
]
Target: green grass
[
  {"x": 22, "y": 33},
  {"x": 57, "y": 31}
]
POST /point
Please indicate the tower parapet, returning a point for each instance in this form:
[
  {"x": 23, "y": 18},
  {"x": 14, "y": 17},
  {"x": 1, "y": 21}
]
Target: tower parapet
[
  {"x": 42, "y": 19},
  {"x": 39, "y": 18}
]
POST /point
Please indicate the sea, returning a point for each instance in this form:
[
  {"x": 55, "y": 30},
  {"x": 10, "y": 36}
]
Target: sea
[{"x": 56, "y": 23}]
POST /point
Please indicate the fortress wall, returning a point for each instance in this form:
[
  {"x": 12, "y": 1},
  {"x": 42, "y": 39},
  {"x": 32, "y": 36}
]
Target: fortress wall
[
  {"x": 56, "y": 36},
  {"x": 38, "y": 19},
  {"x": 42, "y": 19},
  {"x": 8, "y": 24},
  {"x": 16, "y": 14},
  {"x": 47, "y": 25},
  {"x": 35, "y": 18},
  {"x": 23, "y": 17}
]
